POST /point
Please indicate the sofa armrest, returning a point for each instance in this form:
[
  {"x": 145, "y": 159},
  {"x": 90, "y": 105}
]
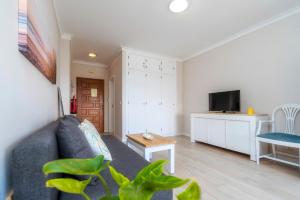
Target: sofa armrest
[{"x": 28, "y": 158}]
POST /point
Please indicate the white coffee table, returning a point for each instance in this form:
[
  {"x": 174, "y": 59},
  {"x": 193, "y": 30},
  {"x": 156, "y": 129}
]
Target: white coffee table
[{"x": 158, "y": 143}]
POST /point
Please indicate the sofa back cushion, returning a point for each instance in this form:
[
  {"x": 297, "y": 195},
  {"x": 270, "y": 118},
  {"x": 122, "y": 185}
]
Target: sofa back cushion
[
  {"x": 73, "y": 144},
  {"x": 73, "y": 119},
  {"x": 71, "y": 141},
  {"x": 28, "y": 158}
]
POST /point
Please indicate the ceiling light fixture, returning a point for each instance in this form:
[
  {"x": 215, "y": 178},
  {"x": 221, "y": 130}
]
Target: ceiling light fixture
[
  {"x": 178, "y": 6},
  {"x": 92, "y": 55}
]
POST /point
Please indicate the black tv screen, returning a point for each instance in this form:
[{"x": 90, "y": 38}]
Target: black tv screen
[{"x": 225, "y": 101}]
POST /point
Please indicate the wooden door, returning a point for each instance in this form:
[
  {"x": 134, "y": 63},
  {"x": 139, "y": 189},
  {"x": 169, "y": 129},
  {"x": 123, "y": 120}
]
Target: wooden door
[{"x": 90, "y": 95}]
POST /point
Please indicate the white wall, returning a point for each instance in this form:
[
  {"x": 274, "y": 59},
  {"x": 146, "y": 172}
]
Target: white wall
[
  {"x": 264, "y": 65},
  {"x": 28, "y": 100},
  {"x": 94, "y": 72},
  {"x": 65, "y": 73},
  {"x": 116, "y": 74}
]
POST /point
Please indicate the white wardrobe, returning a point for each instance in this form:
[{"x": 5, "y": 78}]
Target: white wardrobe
[{"x": 150, "y": 97}]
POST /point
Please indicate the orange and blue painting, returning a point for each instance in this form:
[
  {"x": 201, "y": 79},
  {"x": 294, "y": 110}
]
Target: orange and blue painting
[{"x": 34, "y": 42}]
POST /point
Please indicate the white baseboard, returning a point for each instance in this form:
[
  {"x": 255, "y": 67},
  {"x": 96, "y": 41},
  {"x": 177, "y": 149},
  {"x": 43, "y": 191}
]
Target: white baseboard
[
  {"x": 184, "y": 134},
  {"x": 178, "y": 134},
  {"x": 170, "y": 135}
]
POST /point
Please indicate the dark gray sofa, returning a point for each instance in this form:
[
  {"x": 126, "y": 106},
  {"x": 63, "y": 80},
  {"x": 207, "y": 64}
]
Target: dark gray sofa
[{"x": 33, "y": 152}]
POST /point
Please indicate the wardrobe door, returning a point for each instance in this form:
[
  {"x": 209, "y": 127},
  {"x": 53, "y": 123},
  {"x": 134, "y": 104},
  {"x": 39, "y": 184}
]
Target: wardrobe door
[
  {"x": 137, "y": 62},
  {"x": 168, "y": 104},
  {"x": 154, "y": 65},
  {"x": 137, "y": 101},
  {"x": 153, "y": 110},
  {"x": 169, "y": 67}
]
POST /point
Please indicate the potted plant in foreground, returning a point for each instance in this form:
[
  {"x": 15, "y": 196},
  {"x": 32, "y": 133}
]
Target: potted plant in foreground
[{"x": 148, "y": 181}]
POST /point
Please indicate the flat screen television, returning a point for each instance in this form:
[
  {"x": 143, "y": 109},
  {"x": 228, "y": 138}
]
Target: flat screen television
[{"x": 228, "y": 101}]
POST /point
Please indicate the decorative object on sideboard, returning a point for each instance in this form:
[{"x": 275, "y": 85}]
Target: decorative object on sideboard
[
  {"x": 34, "y": 41},
  {"x": 251, "y": 111}
]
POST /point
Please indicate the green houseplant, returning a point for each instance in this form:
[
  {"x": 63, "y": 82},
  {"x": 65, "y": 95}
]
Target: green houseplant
[{"x": 148, "y": 181}]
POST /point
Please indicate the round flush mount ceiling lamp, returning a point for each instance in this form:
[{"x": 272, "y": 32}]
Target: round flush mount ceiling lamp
[
  {"x": 178, "y": 6},
  {"x": 92, "y": 55}
]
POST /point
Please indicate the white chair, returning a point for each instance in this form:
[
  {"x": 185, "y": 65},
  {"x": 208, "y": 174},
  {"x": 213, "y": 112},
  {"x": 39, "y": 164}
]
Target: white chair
[{"x": 287, "y": 138}]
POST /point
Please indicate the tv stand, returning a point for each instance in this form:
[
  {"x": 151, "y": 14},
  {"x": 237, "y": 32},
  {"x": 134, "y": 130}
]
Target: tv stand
[{"x": 233, "y": 131}]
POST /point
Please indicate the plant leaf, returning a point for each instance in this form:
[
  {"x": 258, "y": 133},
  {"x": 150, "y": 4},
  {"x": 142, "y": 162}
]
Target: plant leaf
[
  {"x": 91, "y": 166},
  {"x": 156, "y": 168},
  {"x": 118, "y": 177},
  {"x": 131, "y": 191},
  {"x": 148, "y": 181},
  {"x": 68, "y": 185},
  {"x": 110, "y": 198},
  {"x": 193, "y": 192},
  {"x": 162, "y": 182}
]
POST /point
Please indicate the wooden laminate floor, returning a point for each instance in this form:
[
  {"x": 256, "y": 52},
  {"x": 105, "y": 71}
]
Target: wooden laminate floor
[{"x": 226, "y": 175}]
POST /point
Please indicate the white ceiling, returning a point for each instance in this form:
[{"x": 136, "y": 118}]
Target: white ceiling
[{"x": 105, "y": 25}]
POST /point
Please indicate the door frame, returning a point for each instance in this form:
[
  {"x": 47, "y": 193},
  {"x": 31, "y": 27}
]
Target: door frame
[
  {"x": 103, "y": 119},
  {"x": 111, "y": 105}
]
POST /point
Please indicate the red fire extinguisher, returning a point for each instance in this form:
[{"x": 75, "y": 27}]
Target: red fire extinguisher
[{"x": 73, "y": 105}]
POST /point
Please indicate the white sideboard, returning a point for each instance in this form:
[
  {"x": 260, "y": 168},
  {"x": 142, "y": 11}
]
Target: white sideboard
[{"x": 230, "y": 131}]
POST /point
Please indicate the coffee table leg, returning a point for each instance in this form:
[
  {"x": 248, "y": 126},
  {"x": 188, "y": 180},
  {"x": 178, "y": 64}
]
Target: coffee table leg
[
  {"x": 147, "y": 154},
  {"x": 172, "y": 159}
]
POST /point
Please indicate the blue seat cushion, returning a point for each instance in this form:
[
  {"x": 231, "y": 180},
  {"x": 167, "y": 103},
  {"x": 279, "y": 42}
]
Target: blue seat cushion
[{"x": 281, "y": 137}]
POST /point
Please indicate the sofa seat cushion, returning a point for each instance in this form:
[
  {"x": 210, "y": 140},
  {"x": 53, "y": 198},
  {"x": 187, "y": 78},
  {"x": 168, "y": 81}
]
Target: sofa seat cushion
[
  {"x": 284, "y": 137},
  {"x": 126, "y": 161}
]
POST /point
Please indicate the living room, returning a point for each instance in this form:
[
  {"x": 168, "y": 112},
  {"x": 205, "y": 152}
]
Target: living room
[{"x": 212, "y": 87}]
